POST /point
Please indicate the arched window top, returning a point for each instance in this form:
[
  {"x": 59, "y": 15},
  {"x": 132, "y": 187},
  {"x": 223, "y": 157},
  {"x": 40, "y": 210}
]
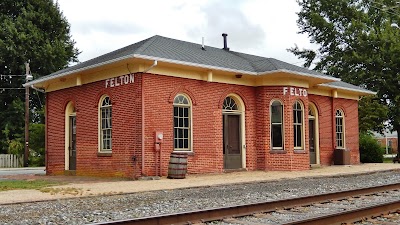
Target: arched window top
[
  {"x": 276, "y": 103},
  {"x": 181, "y": 99},
  {"x": 106, "y": 102},
  {"x": 310, "y": 112},
  {"x": 229, "y": 104},
  {"x": 297, "y": 106},
  {"x": 339, "y": 113}
]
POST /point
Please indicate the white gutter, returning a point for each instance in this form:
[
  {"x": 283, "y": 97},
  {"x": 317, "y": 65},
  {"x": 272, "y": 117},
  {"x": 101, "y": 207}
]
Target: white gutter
[
  {"x": 348, "y": 89},
  {"x": 176, "y": 62},
  {"x": 42, "y": 79},
  {"x": 151, "y": 67},
  {"x": 301, "y": 74},
  {"x": 38, "y": 89}
]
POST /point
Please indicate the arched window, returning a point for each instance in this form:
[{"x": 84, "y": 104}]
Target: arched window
[
  {"x": 298, "y": 125},
  {"x": 339, "y": 129},
  {"x": 229, "y": 104},
  {"x": 182, "y": 123},
  {"x": 105, "y": 124},
  {"x": 277, "y": 125}
]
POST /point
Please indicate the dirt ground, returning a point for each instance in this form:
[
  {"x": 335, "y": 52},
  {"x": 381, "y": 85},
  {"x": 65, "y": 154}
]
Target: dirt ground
[{"x": 90, "y": 186}]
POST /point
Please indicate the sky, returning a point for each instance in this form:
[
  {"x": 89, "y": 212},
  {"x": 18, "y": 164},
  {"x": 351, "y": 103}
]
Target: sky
[{"x": 259, "y": 27}]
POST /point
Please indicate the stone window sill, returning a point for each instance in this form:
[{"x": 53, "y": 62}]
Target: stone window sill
[
  {"x": 299, "y": 151},
  {"x": 104, "y": 154},
  {"x": 277, "y": 151}
]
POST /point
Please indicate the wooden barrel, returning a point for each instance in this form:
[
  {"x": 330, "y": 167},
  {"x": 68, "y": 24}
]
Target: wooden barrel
[{"x": 177, "y": 167}]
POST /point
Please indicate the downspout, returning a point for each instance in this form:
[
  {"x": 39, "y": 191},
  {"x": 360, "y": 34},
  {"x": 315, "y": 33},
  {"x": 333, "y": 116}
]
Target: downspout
[
  {"x": 38, "y": 89},
  {"x": 46, "y": 155},
  {"x": 334, "y": 95},
  {"x": 143, "y": 114}
]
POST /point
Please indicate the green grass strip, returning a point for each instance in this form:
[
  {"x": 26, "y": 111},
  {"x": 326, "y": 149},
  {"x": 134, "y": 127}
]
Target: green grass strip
[{"x": 6, "y": 185}]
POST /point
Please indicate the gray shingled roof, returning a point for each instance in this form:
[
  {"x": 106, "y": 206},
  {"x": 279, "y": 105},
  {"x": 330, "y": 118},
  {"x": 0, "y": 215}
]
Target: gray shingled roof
[{"x": 182, "y": 52}]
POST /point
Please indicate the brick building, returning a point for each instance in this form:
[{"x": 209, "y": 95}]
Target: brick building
[
  {"x": 225, "y": 109},
  {"x": 388, "y": 141}
]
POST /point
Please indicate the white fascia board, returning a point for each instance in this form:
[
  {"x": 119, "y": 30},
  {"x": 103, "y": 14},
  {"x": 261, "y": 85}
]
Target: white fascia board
[
  {"x": 348, "y": 89},
  {"x": 77, "y": 70},
  {"x": 301, "y": 74},
  {"x": 175, "y": 62}
]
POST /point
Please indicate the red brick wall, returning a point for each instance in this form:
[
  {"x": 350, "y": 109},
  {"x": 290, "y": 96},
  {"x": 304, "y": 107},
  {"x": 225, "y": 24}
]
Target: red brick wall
[
  {"x": 207, "y": 98},
  {"x": 326, "y": 115},
  {"x": 288, "y": 158},
  {"x": 126, "y": 131}
]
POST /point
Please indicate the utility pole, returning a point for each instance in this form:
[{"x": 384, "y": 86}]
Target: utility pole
[{"x": 28, "y": 77}]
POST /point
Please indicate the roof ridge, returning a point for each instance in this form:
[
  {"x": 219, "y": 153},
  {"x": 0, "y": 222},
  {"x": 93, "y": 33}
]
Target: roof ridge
[
  {"x": 147, "y": 44},
  {"x": 273, "y": 62},
  {"x": 238, "y": 54}
]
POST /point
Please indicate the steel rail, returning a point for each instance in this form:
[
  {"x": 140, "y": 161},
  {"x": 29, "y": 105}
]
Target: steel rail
[
  {"x": 247, "y": 209},
  {"x": 351, "y": 216}
]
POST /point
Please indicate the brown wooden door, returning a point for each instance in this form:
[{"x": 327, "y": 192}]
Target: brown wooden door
[
  {"x": 232, "y": 141},
  {"x": 311, "y": 137},
  {"x": 72, "y": 143}
]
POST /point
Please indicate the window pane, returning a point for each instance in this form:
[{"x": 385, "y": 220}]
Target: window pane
[
  {"x": 180, "y": 112},
  {"x": 180, "y": 133},
  {"x": 298, "y": 137},
  {"x": 276, "y": 114},
  {"x": 186, "y": 143},
  {"x": 175, "y": 111},
  {"x": 276, "y": 135},
  {"x": 186, "y": 112},
  {"x": 180, "y": 141}
]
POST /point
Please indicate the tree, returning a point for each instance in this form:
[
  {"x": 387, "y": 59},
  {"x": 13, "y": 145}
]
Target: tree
[
  {"x": 358, "y": 41},
  {"x": 370, "y": 149},
  {"x": 32, "y": 31}
]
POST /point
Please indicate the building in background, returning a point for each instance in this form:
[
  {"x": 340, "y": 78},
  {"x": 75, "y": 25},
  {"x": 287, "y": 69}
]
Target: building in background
[
  {"x": 388, "y": 141},
  {"x": 125, "y": 112}
]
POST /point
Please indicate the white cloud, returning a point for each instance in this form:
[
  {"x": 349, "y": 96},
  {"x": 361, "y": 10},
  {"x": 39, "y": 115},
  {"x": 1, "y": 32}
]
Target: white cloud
[{"x": 258, "y": 27}]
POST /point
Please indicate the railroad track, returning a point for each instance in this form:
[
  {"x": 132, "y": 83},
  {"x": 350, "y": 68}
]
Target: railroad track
[{"x": 240, "y": 214}]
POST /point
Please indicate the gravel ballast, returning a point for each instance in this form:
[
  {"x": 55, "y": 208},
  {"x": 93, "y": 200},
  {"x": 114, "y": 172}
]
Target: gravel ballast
[{"x": 125, "y": 206}]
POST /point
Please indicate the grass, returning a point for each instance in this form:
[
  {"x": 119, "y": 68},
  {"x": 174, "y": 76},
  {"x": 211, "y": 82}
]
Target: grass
[
  {"x": 388, "y": 160},
  {"x": 63, "y": 191},
  {"x": 6, "y": 185}
]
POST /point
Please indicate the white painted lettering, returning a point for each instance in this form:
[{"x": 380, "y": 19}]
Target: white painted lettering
[
  {"x": 131, "y": 78},
  {"x": 285, "y": 90},
  {"x": 121, "y": 80},
  {"x": 107, "y": 81},
  {"x": 295, "y": 91}
]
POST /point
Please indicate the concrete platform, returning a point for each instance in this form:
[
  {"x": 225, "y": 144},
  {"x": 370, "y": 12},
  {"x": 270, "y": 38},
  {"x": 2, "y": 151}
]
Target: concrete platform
[{"x": 107, "y": 187}]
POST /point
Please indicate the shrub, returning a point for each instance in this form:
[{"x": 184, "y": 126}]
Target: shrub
[{"x": 370, "y": 149}]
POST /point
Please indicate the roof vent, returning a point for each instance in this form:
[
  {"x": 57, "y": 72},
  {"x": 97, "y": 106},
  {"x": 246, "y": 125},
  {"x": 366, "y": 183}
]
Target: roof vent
[
  {"x": 225, "y": 42},
  {"x": 202, "y": 44}
]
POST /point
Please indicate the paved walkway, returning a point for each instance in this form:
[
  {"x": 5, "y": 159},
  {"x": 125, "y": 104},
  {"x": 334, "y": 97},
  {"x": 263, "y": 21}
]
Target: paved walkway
[{"x": 96, "y": 187}]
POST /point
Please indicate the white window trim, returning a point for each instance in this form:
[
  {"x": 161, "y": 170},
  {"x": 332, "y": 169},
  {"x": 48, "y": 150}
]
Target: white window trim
[
  {"x": 100, "y": 135},
  {"x": 343, "y": 129},
  {"x": 282, "y": 125},
  {"x": 302, "y": 126},
  {"x": 190, "y": 149}
]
